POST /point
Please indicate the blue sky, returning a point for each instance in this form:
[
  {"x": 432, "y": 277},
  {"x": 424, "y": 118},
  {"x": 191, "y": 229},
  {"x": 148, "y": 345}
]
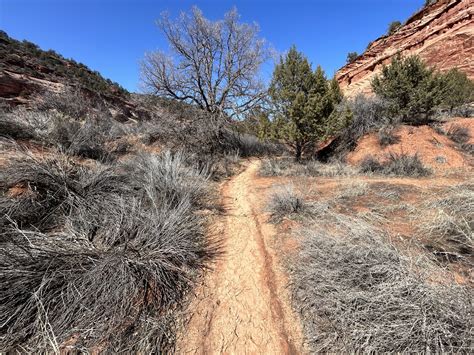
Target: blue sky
[{"x": 112, "y": 36}]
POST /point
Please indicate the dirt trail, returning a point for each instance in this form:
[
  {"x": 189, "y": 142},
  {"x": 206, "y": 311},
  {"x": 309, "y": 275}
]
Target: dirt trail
[{"x": 244, "y": 307}]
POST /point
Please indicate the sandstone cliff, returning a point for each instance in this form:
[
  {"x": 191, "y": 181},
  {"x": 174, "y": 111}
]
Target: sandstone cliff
[{"x": 442, "y": 34}]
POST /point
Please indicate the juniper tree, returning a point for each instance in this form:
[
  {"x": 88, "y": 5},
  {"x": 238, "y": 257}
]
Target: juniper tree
[
  {"x": 393, "y": 27},
  {"x": 411, "y": 88},
  {"x": 458, "y": 89},
  {"x": 303, "y": 101},
  {"x": 351, "y": 57}
]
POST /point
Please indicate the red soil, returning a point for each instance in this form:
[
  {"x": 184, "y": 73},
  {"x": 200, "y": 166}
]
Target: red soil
[{"x": 434, "y": 150}]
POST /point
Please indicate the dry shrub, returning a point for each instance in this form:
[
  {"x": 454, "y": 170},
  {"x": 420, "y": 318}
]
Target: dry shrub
[
  {"x": 468, "y": 148},
  {"x": 276, "y": 167},
  {"x": 86, "y": 139},
  {"x": 285, "y": 202},
  {"x": 329, "y": 169},
  {"x": 459, "y": 134},
  {"x": 387, "y": 136},
  {"x": 353, "y": 189},
  {"x": 289, "y": 167},
  {"x": 98, "y": 258},
  {"x": 180, "y": 125},
  {"x": 357, "y": 293},
  {"x": 395, "y": 165},
  {"x": 71, "y": 101},
  {"x": 368, "y": 114},
  {"x": 24, "y": 124},
  {"x": 449, "y": 224}
]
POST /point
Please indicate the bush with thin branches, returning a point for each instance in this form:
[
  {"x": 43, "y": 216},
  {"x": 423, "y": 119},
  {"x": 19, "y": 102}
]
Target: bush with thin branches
[
  {"x": 387, "y": 136},
  {"x": 459, "y": 134},
  {"x": 285, "y": 202},
  {"x": 356, "y": 292},
  {"x": 395, "y": 165}
]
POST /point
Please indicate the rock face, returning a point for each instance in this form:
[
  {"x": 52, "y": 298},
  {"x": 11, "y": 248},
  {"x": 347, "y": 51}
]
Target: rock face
[{"x": 442, "y": 34}]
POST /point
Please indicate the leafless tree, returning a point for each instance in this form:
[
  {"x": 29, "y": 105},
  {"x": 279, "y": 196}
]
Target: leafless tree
[{"x": 214, "y": 65}]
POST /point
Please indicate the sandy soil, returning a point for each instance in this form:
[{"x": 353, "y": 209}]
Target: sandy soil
[{"x": 244, "y": 306}]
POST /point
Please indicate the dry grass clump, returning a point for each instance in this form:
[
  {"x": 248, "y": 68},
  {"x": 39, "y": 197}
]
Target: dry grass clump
[
  {"x": 285, "y": 202},
  {"x": 330, "y": 169},
  {"x": 288, "y": 167},
  {"x": 23, "y": 124},
  {"x": 98, "y": 258},
  {"x": 170, "y": 177},
  {"x": 87, "y": 138},
  {"x": 353, "y": 189},
  {"x": 387, "y": 136},
  {"x": 357, "y": 293},
  {"x": 468, "y": 148},
  {"x": 459, "y": 134},
  {"x": 395, "y": 165},
  {"x": 276, "y": 167},
  {"x": 449, "y": 223}
]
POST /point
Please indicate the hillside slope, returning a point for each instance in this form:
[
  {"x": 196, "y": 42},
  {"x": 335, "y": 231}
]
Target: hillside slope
[
  {"x": 27, "y": 71},
  {"x": 441, "y": 34}
]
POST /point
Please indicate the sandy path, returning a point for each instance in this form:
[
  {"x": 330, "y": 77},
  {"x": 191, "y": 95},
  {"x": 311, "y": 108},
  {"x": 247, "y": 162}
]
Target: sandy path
[{"x": 244, "y": 306}]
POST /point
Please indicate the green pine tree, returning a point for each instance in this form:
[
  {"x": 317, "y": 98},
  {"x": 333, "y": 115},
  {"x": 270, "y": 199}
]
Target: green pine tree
[
  {"x": 303, "y": 101},
  {"x": 458, "y": 89},
  {"x": 410, "y": 87}
]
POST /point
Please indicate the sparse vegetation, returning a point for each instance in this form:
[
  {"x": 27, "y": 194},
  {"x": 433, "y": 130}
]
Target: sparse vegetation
[
  {"x": 288, "y": 167},
  {"x": 357, "y": 293},
  {"x": 393, "y": 27},
  {"x": 285, "y": 202},
  {"x": 353, "y": 189},
  {"x": 459, "y": 134},
  {"x": 396, "y": 165},
  {"x": 387, "y": 136},
  {"x": 71, "y": 102}
]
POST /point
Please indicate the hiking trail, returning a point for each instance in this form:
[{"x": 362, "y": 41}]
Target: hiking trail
[{"x": 243, "y": 306}]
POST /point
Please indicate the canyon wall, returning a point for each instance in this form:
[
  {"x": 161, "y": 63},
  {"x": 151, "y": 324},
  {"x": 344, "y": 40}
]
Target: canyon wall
[{"x": 442, "y": 34}]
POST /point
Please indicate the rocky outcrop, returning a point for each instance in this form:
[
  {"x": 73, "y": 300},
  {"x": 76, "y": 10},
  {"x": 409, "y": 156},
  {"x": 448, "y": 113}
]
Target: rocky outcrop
[
  {"x": 442, "y": 34},
  {"x": 20, "y": 89}
]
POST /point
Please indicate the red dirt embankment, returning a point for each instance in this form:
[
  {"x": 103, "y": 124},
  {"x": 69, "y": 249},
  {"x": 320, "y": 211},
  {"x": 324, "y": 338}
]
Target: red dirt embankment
[{"x": 434, "y": 149}]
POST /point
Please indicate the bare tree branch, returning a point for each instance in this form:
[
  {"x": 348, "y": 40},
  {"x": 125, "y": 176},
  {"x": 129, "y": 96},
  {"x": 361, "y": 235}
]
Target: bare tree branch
[{"x": 214, "y": 65}]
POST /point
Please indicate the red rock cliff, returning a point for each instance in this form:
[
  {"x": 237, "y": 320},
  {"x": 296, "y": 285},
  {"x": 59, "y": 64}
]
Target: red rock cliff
[{"x": 442, "y": 34}]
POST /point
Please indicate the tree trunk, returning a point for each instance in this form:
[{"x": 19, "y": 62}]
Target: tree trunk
[{"x": 298, "y": 151}]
